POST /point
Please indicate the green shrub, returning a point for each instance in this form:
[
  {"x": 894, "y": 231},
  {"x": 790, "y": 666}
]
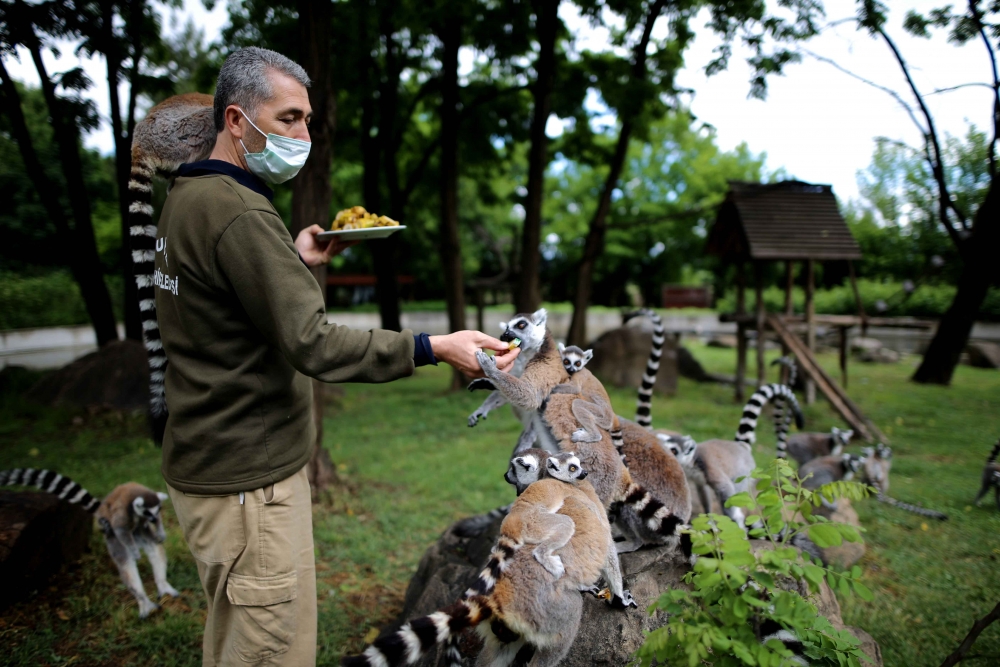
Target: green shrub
[
  {"x": 48, "y": 300},
  {"x": 734, "y": 587},
  {"x": 925, "y": 301}
]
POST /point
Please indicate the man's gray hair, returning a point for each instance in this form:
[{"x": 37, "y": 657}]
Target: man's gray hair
[{"x": 243, "y": 80}]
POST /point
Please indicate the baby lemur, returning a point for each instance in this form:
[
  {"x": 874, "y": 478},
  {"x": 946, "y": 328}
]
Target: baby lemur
[
  {"x": 130, "y": 519},
  {"x": 525, "y": 605},
  {"x": 991, "y": 476}
]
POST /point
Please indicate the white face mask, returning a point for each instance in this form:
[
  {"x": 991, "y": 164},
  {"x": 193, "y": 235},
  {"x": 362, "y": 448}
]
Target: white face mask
[{"x": 281, "y": 159}]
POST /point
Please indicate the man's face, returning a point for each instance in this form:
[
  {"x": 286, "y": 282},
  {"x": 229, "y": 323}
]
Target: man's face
[{"x": 287, "y": 113}]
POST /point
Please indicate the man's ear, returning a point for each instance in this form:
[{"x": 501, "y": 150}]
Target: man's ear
[{"x": 232, "y": 117}]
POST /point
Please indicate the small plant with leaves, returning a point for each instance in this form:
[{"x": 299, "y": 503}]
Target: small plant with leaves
[{"x": 741, "y": 592}]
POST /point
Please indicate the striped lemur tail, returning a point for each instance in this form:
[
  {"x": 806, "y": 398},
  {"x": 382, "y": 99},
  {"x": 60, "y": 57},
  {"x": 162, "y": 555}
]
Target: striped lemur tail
[
  {"x": 408, "y": 644},
  {"x": 654, "y": 514},
  {"x": 916, "y": 509},
  {"x": 51, "y": 482},
  {"x": 747, "y": 430},
  {"x": 782, "y": 421},
  {"x": 994, "y": 453},
  {"x": 142, "y": 233},
  {"x": 644, "y": 403}
]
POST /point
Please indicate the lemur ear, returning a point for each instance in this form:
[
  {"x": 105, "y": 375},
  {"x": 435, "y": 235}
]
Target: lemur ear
[
  {"x": 162, "y": 496},
  {"x": 503, "y": 326},
  {"x": 562, "y": 348},
  {"x": 539, "y": 317},
  {"x": 588, "y": 355},
  {"x": 138, "y": 503},
  {"x": 848, "y": 434},
  {"x": 835, "y": 431}
]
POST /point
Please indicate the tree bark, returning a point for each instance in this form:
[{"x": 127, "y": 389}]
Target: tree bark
[
  {"x": 311, "y": 190},
  {"x": 451, "y": 251},
  {"x": 978, "y": 272},
  {"x": 123, "y": 163},
  {"x": 527, "y": 296},
  {"x": 81, "y": 245},
  {"x": 594, "y": 245}
]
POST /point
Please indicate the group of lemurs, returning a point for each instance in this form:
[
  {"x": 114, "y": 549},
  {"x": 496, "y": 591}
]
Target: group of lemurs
[{"x": 589, "y": 484}]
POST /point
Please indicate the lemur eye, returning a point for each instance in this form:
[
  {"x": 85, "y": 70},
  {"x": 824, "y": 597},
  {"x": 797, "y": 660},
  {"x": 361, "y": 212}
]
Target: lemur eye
[
  {"x": 520, "y": 325},
  {"x": 572, "y": 468}
]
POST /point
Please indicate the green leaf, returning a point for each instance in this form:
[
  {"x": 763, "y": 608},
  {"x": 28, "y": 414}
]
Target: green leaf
[
  {"x": 863, "y": 591},
  {"x": 845, "y": 588},
  {"x": 856, "y": 572},
  {"x": 740, "y": 500},
  {"x": 848, "y": 532},
  {"x": 824, "y": 535}
]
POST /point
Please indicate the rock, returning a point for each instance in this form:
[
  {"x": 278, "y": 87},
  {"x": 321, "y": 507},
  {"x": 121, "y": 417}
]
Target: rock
[
  {"x": 881, "y": 355},
  {"x": 620, "y": 357},
  {"x": 38, "y": 535},
  {"x": 861, "y": 344},
  {"x": 725, "y": 341},
  {"x": 115, "y": 376},
  {"x": 983, "y": 354},
  {"x": 606, "y": 636}
]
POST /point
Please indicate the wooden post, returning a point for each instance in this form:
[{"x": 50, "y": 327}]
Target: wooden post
[
  {"x": 758, "y": 271},
  {"x": 810, "y": 324},
  {"x": 843, "y": 356},
  {"x": 789, "y": 284},
  {"x": 857, "y": 299},
  {"x": 741, "y": 332}
]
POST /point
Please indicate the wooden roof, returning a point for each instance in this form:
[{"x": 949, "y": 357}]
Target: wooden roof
[{"x": 786, "y": 220}]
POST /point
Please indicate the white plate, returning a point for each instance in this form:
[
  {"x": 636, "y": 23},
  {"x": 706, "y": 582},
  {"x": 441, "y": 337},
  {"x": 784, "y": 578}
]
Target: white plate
[{"x": 359, "y": 234}]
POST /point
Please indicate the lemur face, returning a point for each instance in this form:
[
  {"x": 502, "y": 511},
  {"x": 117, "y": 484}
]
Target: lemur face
[
  {"x": 523, "y": 471},
  {"x": 876, "y": 465},
  {"x": 574, "y": 358},
  {"x": 841, "y": 437},
  {"x": 682, "y": 447},
  {"x": 530, "y": 328},
  {"x": 565, "y": 467},
  {"x": 147, "y": 514}
]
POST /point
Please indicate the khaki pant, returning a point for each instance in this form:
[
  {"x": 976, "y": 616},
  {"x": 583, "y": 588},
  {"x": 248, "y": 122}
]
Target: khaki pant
[{"x": 257, "y": 566}]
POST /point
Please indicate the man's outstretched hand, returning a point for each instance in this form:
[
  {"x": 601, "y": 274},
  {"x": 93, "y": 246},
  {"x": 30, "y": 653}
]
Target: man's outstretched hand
[
  {"x": 459, "y": 350},
  {"x": 317, "y": 253}
]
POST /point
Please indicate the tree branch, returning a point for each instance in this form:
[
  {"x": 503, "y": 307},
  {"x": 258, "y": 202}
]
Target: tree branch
[
  {"x": 977, "y": 628},
  {"x": 977, "y": 15},
  {"x": 414, "y": 177},
  {"x": 949, "y": 89}
]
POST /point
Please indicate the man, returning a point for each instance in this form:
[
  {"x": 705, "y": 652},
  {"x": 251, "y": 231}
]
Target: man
[{"x": 244, "y": 326}]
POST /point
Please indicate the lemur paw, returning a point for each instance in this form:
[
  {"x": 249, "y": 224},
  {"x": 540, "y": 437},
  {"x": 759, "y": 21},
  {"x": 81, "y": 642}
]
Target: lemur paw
[
  {"x": 597, "y": 592},
  {"x": 553, "y": 564},
  {"x": 623, "y": 602},
  {"x": 146, "y": 607},
  {"x": 169, "y": 591},
  {"x": 486, "y": 362},
  {"x": 475, "y": 417}
]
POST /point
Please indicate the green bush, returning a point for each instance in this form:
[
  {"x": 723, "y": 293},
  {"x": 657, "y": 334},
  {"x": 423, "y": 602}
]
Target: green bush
[
  {"x": 48, "y": 300},
  {"x": 925, "y": 301}
]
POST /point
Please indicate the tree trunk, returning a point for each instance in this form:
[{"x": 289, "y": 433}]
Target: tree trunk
[
  {"x": 978, "y": 272},
  {"x": 123, "y": 164},
  {"x": 311, "y": 191},
  {"x": 451, "y": 251},
  {"x": 82, "y": 247},
  {"x": 594, "y": 245},
  {"x": 527, "y": 296}
]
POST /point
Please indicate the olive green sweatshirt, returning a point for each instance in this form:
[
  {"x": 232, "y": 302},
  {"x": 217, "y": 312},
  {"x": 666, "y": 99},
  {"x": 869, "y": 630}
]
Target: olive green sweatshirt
[{"x": 244, "y": 326}]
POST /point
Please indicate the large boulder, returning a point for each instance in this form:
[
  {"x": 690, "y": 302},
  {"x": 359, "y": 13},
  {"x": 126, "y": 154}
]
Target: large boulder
[
  {"x": 983, "y": 354},
  {"x": 620, "y": 357},
  {"x": 39, "y": 534},
  {"x": 115, "y": 376},
  {"x": 606, "y": 636}
]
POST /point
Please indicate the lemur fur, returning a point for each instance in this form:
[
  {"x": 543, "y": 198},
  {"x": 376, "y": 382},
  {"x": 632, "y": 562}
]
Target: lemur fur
[
  {"x": 526, "y": 606},
  {"x": 555, "y": 422},
  {"x": 991, "y": 476},
  {"x": 129, "y": 518},
  {"x": 644, "y": 402},
  {"x": 747, "y": 430},
  {"x": 177, "y": 130},
  {"x": 804, "y": 447}
]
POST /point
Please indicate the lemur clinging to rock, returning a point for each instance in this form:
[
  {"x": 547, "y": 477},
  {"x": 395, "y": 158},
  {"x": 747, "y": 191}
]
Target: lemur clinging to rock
[
  {"x": 130, "y": 519},
  {"x": 525, "y": 605}
]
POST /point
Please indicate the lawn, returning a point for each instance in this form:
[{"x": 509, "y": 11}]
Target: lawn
[{"x": 409, "y": 466}]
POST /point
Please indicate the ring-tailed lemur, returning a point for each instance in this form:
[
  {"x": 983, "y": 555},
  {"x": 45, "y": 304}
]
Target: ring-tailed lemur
[
  {"x": 177, "y": 130},
  {"x": 991, "y": 476},
  {"x": 782, "y": 421},
  {"x": 526, "y": 605},
  {"x": 747, "y": 430},
  {"x": 574, "y": 358},
  {"x": 643, "y": 416},
  {"x": 648, "y": 520},
  {"x": 804, "y": 447},
  {"x": 130, "y": 519}
]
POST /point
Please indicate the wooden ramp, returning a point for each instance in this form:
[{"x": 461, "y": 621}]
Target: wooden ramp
[{"x": 851, "y": 413}]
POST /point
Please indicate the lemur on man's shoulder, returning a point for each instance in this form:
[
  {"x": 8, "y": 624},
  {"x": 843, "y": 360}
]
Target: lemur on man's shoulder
[
  {"x": 129, "y": 518},
  {"x": 520, "y": 606},
  {"x": 556, "y": 422},
  {"x": 991, "y": 476}
]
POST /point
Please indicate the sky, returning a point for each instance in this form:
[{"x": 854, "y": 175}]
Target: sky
[{"x": 817, "y": 124}]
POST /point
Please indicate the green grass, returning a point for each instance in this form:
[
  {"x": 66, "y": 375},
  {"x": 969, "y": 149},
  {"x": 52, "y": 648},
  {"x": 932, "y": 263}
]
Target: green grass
[{"x": 409, "y": 466}]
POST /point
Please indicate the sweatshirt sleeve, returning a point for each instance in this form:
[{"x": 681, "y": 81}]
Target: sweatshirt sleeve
[{"x": 257, "y": 257}]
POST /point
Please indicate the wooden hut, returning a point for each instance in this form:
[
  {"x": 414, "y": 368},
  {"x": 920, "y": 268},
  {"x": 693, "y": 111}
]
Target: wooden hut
[{"x": 790, "y": 221}]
